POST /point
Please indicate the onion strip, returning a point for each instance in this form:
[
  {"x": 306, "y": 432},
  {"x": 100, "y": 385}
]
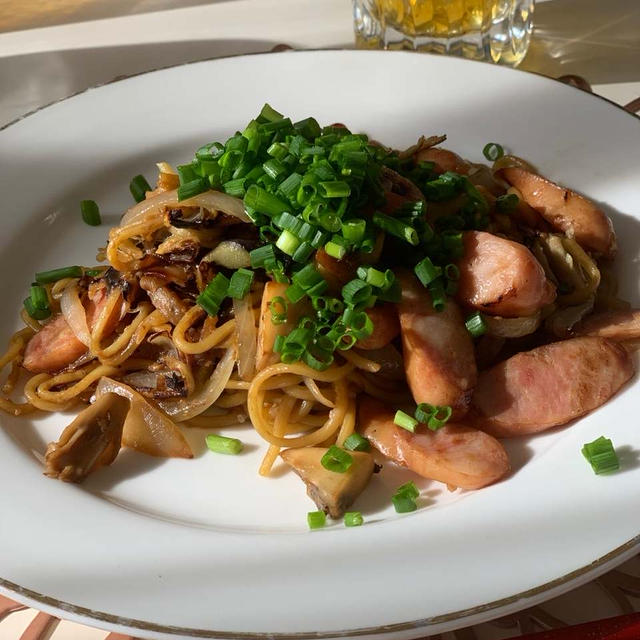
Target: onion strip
[
  {"x": 247, "y": 337},
  {"x": 75, "y": 314},
  {"x": 210, "y": 200}
]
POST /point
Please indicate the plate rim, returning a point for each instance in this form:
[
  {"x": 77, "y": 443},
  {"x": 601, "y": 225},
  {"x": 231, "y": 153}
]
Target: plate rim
[{"x": 479, "y": 613}]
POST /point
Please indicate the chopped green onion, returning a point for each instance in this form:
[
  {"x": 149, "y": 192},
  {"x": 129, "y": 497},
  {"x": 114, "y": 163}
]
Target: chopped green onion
[
  {"x": 396, "y": 228},
  {"x": 222, "y": 444},
  {"x": 240, "y": 283},
  {"x": 39, "y": 298},
  {"x": 234, "y": 188},
  {"x": 426, "y": 271},
  {"x": 356, "y": 292},
  {"x": 318, "y": 359},
  {"x": 334, "y": 189},
  {"x": 335, "y": 250},
  {"x": 287, "y": 242},
  {"x": 353, "y": 519},
  {"x": 507, "y": 203},
  {"x": 262, "y": 256},
  {"x": 437, "y": 293},
  {"x": 403, "y": 503},
  {"x": 139, "y": 187},
  {"x": 187, "y": 173},
  {"x": 374, "y": 277},
  {"x": 303, "y": 252},
  {"x": 405, "y": 421},
  {"x": 336, "y": 459},
  {"x": 46, "y": 277},
  {"x": 211, "y": 151},
  {"x": 193, "y": 188},
  {"x": 264, "y": 202},
  {"x": 213, "y": 295},
  {"x": 309, "y": 128},
  {"x": 278, "y": 309},
  {"x": 295, "y": 293},
  {"x": 354, "y": 230},
  {"x": 358, "y": 323},
  {"x": 34, "y": 312},
  {"x": 269, "y": 114},
  {"x": 601, "y": 455},
  {"x": 433, "y": 416},
  {"x": 94, "y": 273},
  {"x": 316, "y": 519},
  {"x": 274, "y": 168},
  {"x": 476, "y": 325},
  {"x": 492, "y": 151},
  {"x": 408, "y": 489},
  {"x": 90, "y": 212},
  {"x": 307, "y": 277},
  {"x": 278, "y": 343},
  {"x": 355, "y": 442}
]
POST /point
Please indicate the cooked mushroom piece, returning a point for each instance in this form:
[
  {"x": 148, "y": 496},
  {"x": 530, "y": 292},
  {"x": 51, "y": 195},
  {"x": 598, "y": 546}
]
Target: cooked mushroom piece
[
  {"x": 333, "y": 492},
  {"x": 167, "y": 301},
  {"x": 91, "y": 441}
]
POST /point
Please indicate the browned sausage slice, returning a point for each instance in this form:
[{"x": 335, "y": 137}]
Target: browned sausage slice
[
  {"x": 438, "y": 351},
  {"x": 549, "y": 385},
  {"x": 565, "y": 210},
  {"x": 385, "y": 327},
  {"x": 456, "y": 455},
  {"x": 501, "y": 277}
]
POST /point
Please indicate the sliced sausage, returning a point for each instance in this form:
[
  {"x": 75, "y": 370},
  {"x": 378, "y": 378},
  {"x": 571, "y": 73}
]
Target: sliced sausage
[
  {"x": 438, "y": 351},
  {"x": 455, "y": 454},
  {"x": 565, "y": 210},
  {"x": 501, "y": 277},
  {"x": 385, "y": 327},
  {"x": 615, "y": 325},
  {"x": 549, "y": 386}
]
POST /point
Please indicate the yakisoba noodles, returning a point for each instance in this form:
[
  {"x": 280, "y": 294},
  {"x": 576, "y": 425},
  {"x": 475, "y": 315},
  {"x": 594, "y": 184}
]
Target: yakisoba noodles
[{"x": 337, "y": 294}]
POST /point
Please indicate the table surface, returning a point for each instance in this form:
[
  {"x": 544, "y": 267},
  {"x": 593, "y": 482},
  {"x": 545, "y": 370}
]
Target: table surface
[{"x": 50, "y": 49}]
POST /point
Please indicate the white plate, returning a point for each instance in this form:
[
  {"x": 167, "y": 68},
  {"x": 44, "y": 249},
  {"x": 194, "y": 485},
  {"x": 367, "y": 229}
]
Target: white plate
[{"x": 206, "y": 547}]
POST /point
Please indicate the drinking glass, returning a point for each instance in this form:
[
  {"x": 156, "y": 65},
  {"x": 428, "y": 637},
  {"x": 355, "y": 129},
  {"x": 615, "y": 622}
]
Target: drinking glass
[{"x": 492, "y": 30}]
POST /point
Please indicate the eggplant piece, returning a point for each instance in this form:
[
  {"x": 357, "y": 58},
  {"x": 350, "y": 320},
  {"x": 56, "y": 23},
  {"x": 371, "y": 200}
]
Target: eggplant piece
[{"x": 332, "y": 492}]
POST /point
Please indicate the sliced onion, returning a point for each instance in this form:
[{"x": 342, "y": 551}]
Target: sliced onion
[
  {"x": 512, "y": 327},
  {"x": 210, "y": 200},
  {"x": 185, "y": 408},
  {"x": 146, "y": 428},
  {"x": 75, "y": 314},
  {"x": 229, "y": 254},
  {"x": 247, "y": 337}
]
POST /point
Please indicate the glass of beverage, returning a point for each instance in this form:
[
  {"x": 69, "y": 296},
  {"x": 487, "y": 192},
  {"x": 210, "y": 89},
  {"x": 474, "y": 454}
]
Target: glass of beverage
[{"x": 493, "y": 30}]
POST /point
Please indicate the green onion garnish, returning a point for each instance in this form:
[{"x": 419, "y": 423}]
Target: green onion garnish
[
  {"x": 376, "y": 278},
  {"x": 396, "y": 228},
  {"x": 336, "y": 459},
  {"x": 262, "y": 256},
  {"x": 353, "y": 519},
  {"x": 264, "y": 202},
  {"x": 287, "y": 242},
  {"x": 601, "y": 455},
  {"x": 438, "y": 294},
  {"x": 507, "y": 203},
  {"x": 316, "y": 519},
  {"x": 433, "y": 416},
  {"x": 34, "y": 312},
  {"x": 492, "y": 151},
  {"x": 403, "y": 503},
  {"x": 356, "y": 292},
  {"x": 39, "y": 297},
  {"x": 240, "y": 283},
  {"x": 90, "y": 212},
  {"x": 356, "y": 442},
  {"x": 476, "y": 325},
  {"x": 46, "y": 277},
  {"x": 335, "y": 250},
  {"x": 193, "y": 188},
  {"x": 222, "y": 444},
  {"x": 426, "y": 271},
  {"x": 353, "y": 230},
  {"x": 408, "y": 489},
  {"x": 334, "y": 189},
  {"x": 139, "y": 187},
  {"x": 216, "y": 291},
  {"x": 278, "y": 309},
  {"x": 405, "y": 421}
]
